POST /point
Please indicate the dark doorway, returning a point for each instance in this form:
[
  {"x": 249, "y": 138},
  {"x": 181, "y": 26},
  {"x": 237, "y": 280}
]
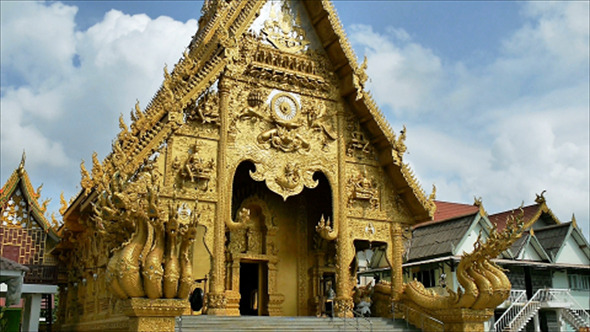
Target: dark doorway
[
  {"x": 528, "y": 283},
  {"x": 253, "y": 289}
]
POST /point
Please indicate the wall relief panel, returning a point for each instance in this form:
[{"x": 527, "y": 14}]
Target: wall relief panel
[{"x": 287, "y": 136}]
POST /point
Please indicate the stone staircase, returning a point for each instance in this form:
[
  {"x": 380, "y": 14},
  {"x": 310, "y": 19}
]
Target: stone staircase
[{"x": 264, "y": 323}]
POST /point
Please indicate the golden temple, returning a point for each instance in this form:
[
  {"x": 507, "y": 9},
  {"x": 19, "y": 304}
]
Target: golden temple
[{"x": 259, "y": 168}]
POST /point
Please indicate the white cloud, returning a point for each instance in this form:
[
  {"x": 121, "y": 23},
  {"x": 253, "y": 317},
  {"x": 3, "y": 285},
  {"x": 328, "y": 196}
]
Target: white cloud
[
  {"x": 503, "y": 130},
  {"x": 60, "y": 110},
  {"x": 402, "y": 73},
  {"x": 38, "y": 41}
]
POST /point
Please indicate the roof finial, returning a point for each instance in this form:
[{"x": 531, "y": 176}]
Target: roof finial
[
  {"x": 540, "y": 199},
  {"x": 478, "y": 201},
  {"x": 574, "y": 223},
  {"x": 21, "y": 166}
]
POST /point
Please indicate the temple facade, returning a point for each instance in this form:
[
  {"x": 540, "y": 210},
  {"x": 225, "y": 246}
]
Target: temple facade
[{"x": 259, "y": 168}]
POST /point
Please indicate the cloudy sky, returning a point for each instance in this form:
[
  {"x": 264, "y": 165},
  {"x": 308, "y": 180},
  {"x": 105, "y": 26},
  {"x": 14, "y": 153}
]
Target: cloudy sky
[{"x": 495, "y": 94}]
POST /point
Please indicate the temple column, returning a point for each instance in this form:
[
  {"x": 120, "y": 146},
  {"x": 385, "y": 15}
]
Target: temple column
[
  {"x": 216, "y": 296},
  {"x": 343, "y": 303},
  {"x": 32, "y": 312},
  {"x": 397, "y": 252}
]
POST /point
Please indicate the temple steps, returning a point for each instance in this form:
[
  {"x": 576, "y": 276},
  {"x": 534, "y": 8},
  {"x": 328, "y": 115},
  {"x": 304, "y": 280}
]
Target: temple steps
[{"x": 264, "y": 323}]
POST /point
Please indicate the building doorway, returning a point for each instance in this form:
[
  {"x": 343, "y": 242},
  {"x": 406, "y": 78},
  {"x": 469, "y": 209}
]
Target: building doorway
[{"x": 253, "y": 289}]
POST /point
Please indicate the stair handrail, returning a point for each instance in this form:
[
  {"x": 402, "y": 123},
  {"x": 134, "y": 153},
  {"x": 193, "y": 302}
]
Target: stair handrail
[
  {"x": 517, "y": 299},
  {"x": 575, "y": 306},
  {"x": 356, "y": 315},
  {"x": 572, "y": 318},
  {"x": 435, "y": 324},
  {"x": 529, "y": 309}
]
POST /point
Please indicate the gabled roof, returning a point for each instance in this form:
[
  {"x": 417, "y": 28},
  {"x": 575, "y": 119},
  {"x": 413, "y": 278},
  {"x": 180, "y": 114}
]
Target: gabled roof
[
  {"x": 206, "y": 61},
  {"x": 532, "y": 213},
  {"x": 528, "y": 240},
  {"x": 439, "y": 239},
  {"x": 19, "y": 202},
  {"x": 553, "y": 237},
  {"x": 448, "y": 210}
]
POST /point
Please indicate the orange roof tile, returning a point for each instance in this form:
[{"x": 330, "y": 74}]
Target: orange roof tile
[
  {"x": 447, "y": 210},
  {"x": 500, "y": 219}
]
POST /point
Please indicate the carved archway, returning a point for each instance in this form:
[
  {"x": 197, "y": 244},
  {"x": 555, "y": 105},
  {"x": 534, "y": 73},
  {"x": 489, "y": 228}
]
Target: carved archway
[{"x": 252, "y": 247}]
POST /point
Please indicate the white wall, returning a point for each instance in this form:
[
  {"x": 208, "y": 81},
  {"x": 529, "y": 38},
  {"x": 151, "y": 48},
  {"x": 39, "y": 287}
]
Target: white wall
[{"x": 571, "y": 253}]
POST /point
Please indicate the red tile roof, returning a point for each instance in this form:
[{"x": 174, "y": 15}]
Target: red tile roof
[
  {"x": 447, "y": 211},
  {"x": 500, "y": 219}
]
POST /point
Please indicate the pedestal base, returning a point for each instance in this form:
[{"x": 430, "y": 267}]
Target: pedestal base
[
  {"x": 343, "y": 307},
  {"x": 153, "y": 315},
  {"x": 464, "y": 320},
  {"x": 216, "y": 304}
]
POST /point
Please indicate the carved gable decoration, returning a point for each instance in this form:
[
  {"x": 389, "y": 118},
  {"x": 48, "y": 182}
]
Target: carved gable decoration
[
  {"x": 284, "y": 134},
  {"x": 283, "y": 28}
]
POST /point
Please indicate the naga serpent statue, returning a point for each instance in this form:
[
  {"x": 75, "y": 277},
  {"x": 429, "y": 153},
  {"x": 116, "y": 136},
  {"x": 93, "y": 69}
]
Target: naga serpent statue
[
  {"x": 152, "y": 256},
  {"x": 484, "y": 284},
  {"x": 186, "y": 257}
]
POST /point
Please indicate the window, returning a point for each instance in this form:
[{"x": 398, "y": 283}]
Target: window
[
  {"x": 579, "y": 281},
  {"x": 426, "y": 277}
]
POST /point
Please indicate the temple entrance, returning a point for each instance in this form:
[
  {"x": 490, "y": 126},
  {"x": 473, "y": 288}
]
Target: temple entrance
[
  {"x": 277, "y": 262},
  {"x": 253, "y": 289}
]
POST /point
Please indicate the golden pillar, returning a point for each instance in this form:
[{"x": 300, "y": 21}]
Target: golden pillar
[
  {"x": 397, "y": 260},
  {"x": 216, "y": 296},
  {"x": 343, "y": 303}
]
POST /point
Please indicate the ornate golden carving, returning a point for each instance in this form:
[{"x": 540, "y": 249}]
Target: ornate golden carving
[
  {"x": 196, "y": 169},
  {"x": 359, "y": 78},
  {"x": 206, "y": 109},
  {"x": 358, "y": 142},
  {"x": 282, "y": 33},
  {"x": 485, "y": 285},
  {"x": 128, "y": 214},
  {"x": 361, "y": 188},
  {"x": 280, "y": 106}
]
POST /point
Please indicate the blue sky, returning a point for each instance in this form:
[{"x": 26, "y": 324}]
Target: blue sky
[{"x": 494, "y": 93}]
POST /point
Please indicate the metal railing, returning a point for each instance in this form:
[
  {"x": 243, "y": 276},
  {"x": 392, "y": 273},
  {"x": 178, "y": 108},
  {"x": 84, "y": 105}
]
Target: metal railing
[
  {"x": 575, "y": 314},
  {"x": 549, "y": 297},
  {"x": 357, "y": 316},
  {"x": 41, "y": 274},
  {"x": 517, "y": 300},
  {"x": 573, "y": 318},
  {"x": 424, "y": 321}
]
